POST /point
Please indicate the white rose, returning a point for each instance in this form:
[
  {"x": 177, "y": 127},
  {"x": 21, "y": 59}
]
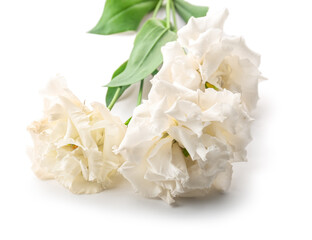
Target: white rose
[
  {"x": 182, "y": 142},
  {"x": 204, "y": 56},
  {"x": 73, "y": 144}
]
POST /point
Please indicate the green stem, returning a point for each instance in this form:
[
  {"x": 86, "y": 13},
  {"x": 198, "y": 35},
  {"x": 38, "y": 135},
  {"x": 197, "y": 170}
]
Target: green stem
[
  {"x": 168, "y": 13},
  {"x": 112, "y": 103},
  {"x": 174, "y": 16},
  {"x": 157, "y": 8},
  {"x": 140, "y": 93}
]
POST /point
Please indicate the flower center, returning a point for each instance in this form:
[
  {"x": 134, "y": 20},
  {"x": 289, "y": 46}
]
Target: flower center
[
  {"x": 72, "y": 146},
  {"x": 220, "y": 78}
]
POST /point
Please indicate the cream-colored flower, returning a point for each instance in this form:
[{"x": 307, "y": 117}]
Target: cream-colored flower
[
  {"x": 182, "y": 142},
  {"x": 204, "y": 56},
  {"x": 74, "y": 144}
]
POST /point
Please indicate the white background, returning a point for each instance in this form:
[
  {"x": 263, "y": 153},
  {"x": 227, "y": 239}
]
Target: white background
[{"x": 270, "y": 197}]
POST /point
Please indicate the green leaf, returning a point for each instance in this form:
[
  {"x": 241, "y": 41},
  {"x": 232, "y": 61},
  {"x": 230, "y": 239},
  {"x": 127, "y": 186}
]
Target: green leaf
[
  {"x": 112, "y": 90},
  {"x": 122, "y": 15},
  {"x": 187, "y": 10},
  {"x": 146, "y": 55}
]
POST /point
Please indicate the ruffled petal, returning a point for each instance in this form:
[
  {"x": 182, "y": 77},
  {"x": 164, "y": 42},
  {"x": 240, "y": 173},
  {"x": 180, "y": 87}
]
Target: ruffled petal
[
  {"x": 179, "y": 67},
  {"x": 196, "y": 26},
  {"x": 73, "y": 144}
]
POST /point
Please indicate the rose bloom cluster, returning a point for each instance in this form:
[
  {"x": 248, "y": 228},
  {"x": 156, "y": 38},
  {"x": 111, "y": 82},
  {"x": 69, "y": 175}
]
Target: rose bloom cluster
[
  {"x": 74, "y": 144},
  {"x": 181, "y": 142},
  {"x": 196, "y": 121}
]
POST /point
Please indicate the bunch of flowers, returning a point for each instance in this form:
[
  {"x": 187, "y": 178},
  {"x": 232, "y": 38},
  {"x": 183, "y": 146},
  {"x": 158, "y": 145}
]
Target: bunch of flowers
[{"x": 182, "y": 140}]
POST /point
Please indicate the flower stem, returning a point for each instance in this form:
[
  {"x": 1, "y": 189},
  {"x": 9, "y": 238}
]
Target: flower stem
[
  {"x": 174, "y": 16},
  {"x": 168, "y": 13},
  {"x": 112, "y": 103},
  {"x": 157, "y": 8},
  {"x": 140, "y": 93}
]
